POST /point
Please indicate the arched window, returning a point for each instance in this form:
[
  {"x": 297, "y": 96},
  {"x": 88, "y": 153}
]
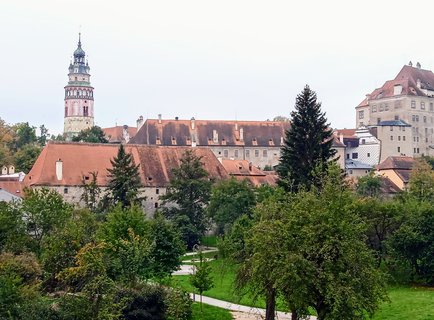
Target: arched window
[{"x": 85, "y": 111}]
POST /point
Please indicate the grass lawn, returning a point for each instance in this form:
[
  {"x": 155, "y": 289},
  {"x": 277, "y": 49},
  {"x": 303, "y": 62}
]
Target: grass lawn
[
  {"x": 405, "y": 302},
  {"x": 408, "y": 303},
  {"x": 209, "y": 312},
  {"x": 209, "y": 241}
]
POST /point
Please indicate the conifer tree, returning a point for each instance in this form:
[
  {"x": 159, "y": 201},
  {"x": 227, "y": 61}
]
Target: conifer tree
[
  {"x": 307, "y": 146},
  {"x": 124, "y": 181}
]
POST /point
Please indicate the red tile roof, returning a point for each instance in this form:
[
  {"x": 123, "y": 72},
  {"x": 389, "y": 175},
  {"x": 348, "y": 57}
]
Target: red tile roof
[
  {"x": 14, "y": 187},
  {"x": 78, "y": 159},
  {"x": 116, "y": 134},
  {"x": 242, "y": 169},
  {"x": 396, "y": 163},
  {"x": 408, "y": 78}
]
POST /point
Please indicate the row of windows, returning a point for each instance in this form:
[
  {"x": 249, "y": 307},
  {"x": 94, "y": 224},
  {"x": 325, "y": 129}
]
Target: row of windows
[
  {"x": 399, "y": 138},
  {"x": 422, "y": 105},
  {"x": 415, "y": 131},
  {"x": 86, "y": 93},
  {"x": 355, "y": 155},
  {"x": 247, "y": 153},
  {"x": 85, "y": 111},
  {"x": 415, "y": 118}
]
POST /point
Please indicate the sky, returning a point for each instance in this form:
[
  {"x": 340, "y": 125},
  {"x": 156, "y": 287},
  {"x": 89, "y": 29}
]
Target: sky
[{"x": 244, "y": 60}]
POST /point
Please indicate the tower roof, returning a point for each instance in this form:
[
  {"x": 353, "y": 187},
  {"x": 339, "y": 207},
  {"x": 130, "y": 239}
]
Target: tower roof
[{"x": 79, "y": 52}]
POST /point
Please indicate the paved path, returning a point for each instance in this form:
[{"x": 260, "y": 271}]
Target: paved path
[
  {"x": 208, "y": 249},
  {"x": 237, "y": 307}
]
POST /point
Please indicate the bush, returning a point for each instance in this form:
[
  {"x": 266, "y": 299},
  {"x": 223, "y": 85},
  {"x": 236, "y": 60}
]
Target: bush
[{"x": 178, "y": 305}]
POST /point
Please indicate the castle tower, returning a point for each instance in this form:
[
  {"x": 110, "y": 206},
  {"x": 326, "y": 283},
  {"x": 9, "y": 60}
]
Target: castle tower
[{"x": 78, "y": 96}]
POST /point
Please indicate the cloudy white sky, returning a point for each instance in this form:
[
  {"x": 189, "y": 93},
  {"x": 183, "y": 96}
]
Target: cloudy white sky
[{"x": 234, "y": 59}]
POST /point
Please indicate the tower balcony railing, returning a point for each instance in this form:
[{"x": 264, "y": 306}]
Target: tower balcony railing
[{"x": 79, "y": 97}]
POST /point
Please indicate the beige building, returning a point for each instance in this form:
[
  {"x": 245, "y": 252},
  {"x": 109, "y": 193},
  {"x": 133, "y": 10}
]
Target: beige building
[
  {"x": 408, "y": 98},
  {"x": 258, "y": 142},
  {"x": 397, "y": 170}
]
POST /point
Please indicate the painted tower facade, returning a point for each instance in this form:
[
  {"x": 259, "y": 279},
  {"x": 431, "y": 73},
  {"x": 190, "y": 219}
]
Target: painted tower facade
[{"x": 78, "y": 95}]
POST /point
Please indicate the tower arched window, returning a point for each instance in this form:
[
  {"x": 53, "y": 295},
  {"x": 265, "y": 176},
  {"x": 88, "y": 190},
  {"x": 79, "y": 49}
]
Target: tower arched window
[
  {"x": 66, "y": 111},
  {"x": 85, "y": 111}
]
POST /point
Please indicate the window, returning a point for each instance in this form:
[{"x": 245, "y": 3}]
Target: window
[
  {"x": 399, "y": 149},
  {"x": 399, "y": 138},
  {"x": 247, "y": 153},
  {"x": 378, "y": 120},
  {"x": 403, "y": 138},
  {"x": 413, "y": 104},
  {"x": 396, "y": 117},
  {"x": 374, "y": 109},
  {"x": 85, "y": 111},
  {"x": 75, "y": 78},
  {"x": 264, "y": 153},
  {"x": 417, "y": 150},
  {"x": 381, "y": 107},
  {"x": 361, "y": 114},
  {"x": 355, "y": 155},
  {"x": 431, "y": 106},
  {"x": 236, "y": 154},
  {"x": 386, "y": 107},
  {"x": 391, "y": 138},
  {"x": 225, "y": 153},
  {"x": 156, "y": 205},
  {"x": 424, "y": 119},
  {"x": 391, "y": 128},
  {"x": 348, "y": 155},
  {"x": 157, "y": 191},
  {"x": 256, "y": 153},
  {"x": 65, "y": 190},
  {"x": 368, "y": 155},
  {"x": 363, "y": 141},
  {"x": 422, "y": 105}
]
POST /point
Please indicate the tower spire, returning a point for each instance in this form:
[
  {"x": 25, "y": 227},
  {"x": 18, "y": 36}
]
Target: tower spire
[{"x": 79, "y": 39}]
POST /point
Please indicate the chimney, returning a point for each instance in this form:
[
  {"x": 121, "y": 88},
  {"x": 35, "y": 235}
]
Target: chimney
[
  {"x": 250, "y": 166},
  {"x": 236, "y": 126},
  {"x": 176, "y": 118},
  {"x": 11, "y": 170},
  {"x": 5, "y": 170},
  {"x": 159, "y": 118},
  {"x": 241, "y": 134},
  {"x": 125, "y": 134},
  {"x": 193, "y": 123},
  {"x": 215, "y": 136},
  {"x": 341, "y": 138},
  {"x": 418, "y": 83},
  {"x": 139, "y": 122},
  {"x": 410, "y": 64},
  {"x": 418, "y": 65},
  {"x": 59, "y": 169},
  {"x": 368, "y": 96}
]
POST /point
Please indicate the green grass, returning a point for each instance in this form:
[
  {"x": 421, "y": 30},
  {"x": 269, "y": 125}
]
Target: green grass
[
  {"x": 407, "y": 303},
  {"x": 415, "y": 303},
  {"x": 209, "y": 312},
  {"x": 209, "y": 241}
]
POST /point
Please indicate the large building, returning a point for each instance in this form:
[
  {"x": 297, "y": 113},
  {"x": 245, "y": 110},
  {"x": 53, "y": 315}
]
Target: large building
[
  {"x": 404, "y": 103},
  {"x": 78, "y": 95},
  {"x": 257, "y": 142}
]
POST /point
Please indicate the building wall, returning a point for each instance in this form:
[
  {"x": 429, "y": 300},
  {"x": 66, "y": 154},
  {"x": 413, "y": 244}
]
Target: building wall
[
  {"x": 356, "y": 173},
  {"x": 395, "y": 141},
  {"x": 415, "y": 110},
  {"x": 151, "y": 195},
  {"x": 73, "y": 125},
  {"x": 259, "y": 156},
  {"x": 393, "y": 176}
]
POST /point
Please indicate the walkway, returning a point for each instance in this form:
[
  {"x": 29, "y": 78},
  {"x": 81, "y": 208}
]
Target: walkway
[{"x": 239, "y": 308}]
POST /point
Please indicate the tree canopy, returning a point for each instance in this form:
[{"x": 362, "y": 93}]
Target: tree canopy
[
  {"x": 91, "y": 135},
  {"x": 307, "y": 146}
]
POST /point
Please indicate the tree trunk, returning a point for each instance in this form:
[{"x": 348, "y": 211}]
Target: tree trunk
[
  {"x": 270, "y": 311},
  {"x": 294, "y": 315}
]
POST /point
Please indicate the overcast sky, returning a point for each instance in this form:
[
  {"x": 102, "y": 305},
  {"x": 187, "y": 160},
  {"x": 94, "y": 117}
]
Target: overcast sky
[{"x": 244, "y": 60}]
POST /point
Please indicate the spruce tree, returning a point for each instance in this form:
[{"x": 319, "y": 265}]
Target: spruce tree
[
  {"x": 190, "y": 190},
  {"x": 307, "y": 146},
  {"x": 124, "y": 181}
]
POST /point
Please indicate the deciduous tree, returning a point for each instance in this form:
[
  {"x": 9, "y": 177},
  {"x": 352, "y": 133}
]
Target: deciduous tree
[{"x": 91, "y": 135}]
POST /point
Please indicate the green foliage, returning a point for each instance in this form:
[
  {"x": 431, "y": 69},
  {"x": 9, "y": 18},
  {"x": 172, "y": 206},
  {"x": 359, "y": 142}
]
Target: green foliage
[
  {"x": 60, "y": 248},
  {"x": 124, "y": 181},
  {"x": 422, "y": 181},
  {"x": 13, "y": 236},
  {"x": 167, "y": 248},
  {"x": 91, "y": 193},
  {"x": 413, "y": 242},
  {"x": 19, "y": 279},
  {"x": 201, "y": 279},
  {"x": 189, "y": 190},
  {"x": 44, "y": 212},
  {"x": 178, "y": 304},
  {"x": 25, "y": 134},
  {"x": 26, "y": 157},
  {"x": 318, "y": 254},
  {"x": 91, "y": 135},
  {"x": 230, "y": 199},
  {"x": 43, "y": 136},
  {"x": 307, "y": 145},
  {"x": 369, "y": 185}
]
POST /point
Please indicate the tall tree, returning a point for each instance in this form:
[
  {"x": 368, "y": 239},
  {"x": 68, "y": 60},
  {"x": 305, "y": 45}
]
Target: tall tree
[
  {"x": 125, "y": 180},
  {"x": 230, "y": 199},
  {"x": 92, "y": 135},
  {"x": 25, "y": 134},
  {"x": 189, "y": 190},
  {"x": 307, "y": 145},
  {"x": 26, "y": 157}
]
